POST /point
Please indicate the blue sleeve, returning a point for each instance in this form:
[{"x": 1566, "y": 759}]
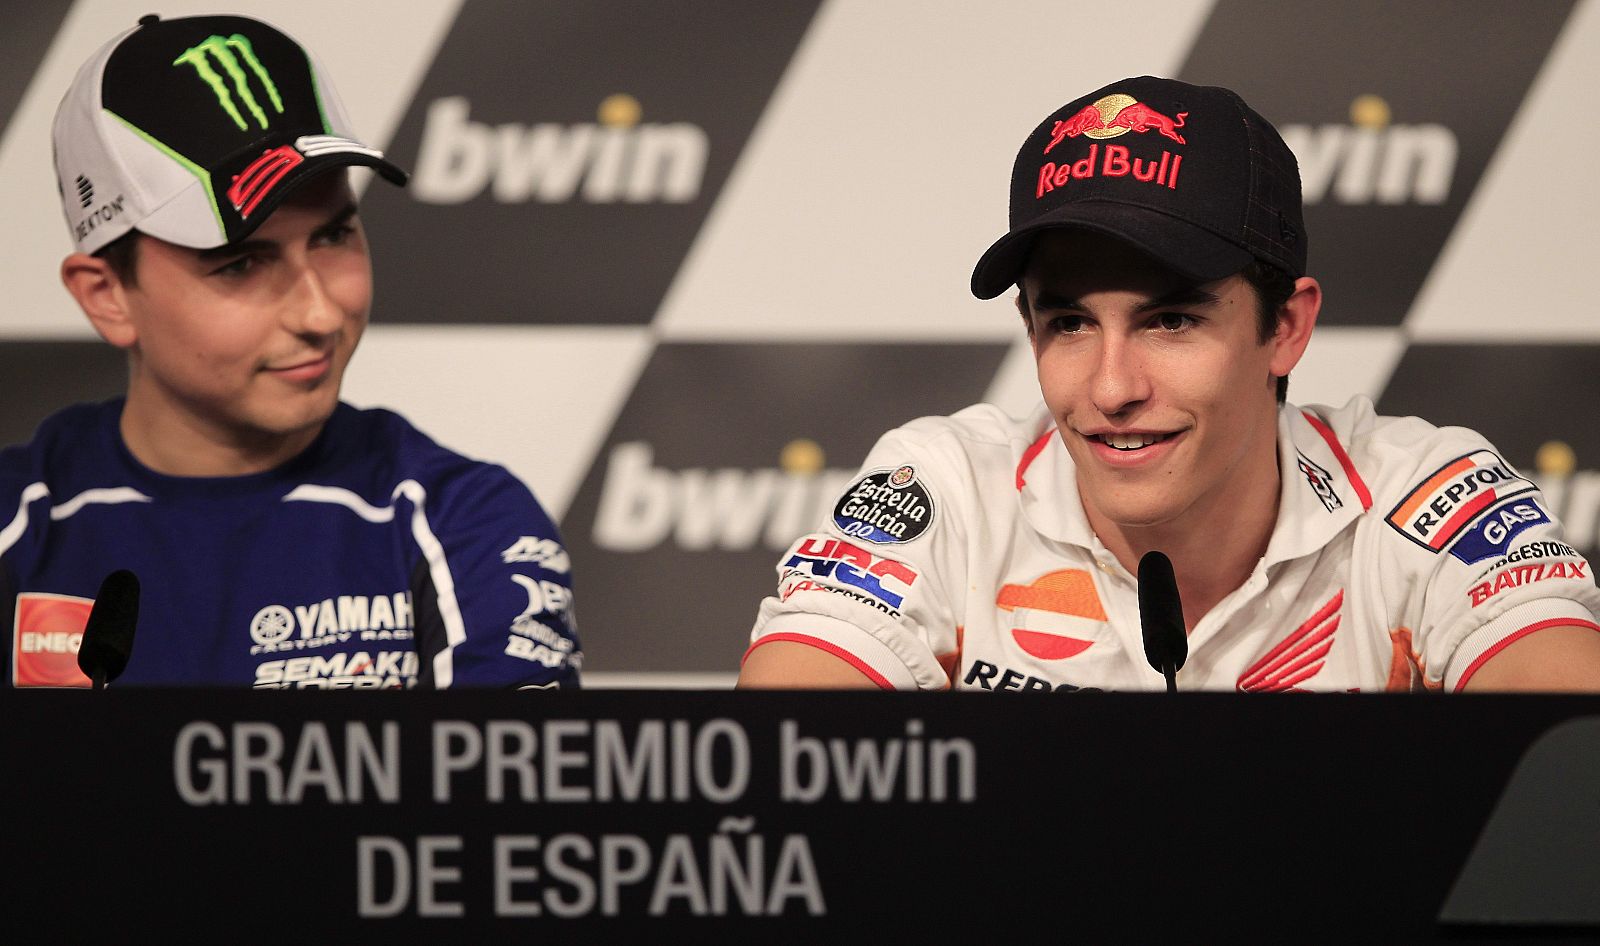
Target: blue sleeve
[{"x": 493, "y": 595}]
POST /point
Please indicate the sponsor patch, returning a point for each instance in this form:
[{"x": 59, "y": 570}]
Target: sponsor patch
[
  {"x": 332, "y": 621},
  {"x": 886, "y": 507},
  {"x": 1515, "y": 576},
  {"x": 546, "y": 552},
  {"x": 1492, "y": 532},
  {"x": 362, "y": 670},
  {"x": 1056, "y": 616},
  {"x": 1455, "y": 497},
  {"x": 48, "y": 632},
  {"x": 835, "y": 565},
  {"x": 1320, "y": 481}
]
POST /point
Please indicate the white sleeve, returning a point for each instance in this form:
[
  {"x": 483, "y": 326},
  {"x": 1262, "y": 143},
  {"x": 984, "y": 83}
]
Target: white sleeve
[
  {"x": 1473, "y": 545},
  {"x": 881, "y": 581}
]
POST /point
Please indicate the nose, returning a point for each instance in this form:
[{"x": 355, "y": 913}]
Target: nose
[
  {"x": 1120, "y": 381},
  {"x": 313, "y": 309}
]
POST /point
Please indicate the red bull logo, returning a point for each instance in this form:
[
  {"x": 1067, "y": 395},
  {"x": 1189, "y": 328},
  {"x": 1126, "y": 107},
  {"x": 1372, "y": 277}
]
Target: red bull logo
[
  {"x": 1116, "y": 115},
  {"x": 1115, "y": 162}
]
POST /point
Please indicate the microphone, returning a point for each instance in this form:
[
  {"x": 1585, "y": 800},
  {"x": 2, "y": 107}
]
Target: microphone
[
  {"x": 1166, "y": 643},
  {"x": 108, "y": 633}
]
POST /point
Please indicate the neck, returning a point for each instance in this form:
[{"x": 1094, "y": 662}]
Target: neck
[
  {"x": 1214, "y": 545},
  {"x": 184, "y": 444}
]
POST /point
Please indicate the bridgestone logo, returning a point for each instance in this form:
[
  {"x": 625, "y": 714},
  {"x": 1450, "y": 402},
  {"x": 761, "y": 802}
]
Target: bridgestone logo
[{"x": 232, "y": 54}]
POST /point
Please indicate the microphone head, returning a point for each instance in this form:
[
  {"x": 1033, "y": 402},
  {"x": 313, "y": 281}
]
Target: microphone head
[
  {"x": 1166, "y": 642},
  {"x": 108, "y": 633}
]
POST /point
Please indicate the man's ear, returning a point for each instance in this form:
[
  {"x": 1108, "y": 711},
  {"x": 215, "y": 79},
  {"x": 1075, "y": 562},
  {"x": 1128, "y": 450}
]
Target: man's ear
[
  {"x": 1296, "y": 318},
  {"x": 101, "y": 295}
]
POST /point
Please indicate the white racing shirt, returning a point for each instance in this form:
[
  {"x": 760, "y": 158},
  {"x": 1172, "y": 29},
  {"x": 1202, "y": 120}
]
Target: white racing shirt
[{"x": 1404, "y": 556}]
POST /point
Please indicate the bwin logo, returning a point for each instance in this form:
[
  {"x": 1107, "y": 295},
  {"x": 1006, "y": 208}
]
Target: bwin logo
[
  {"x": 1373, "y": 161},
  {"x": 617, "y": 159},
  {"x": 233, "y": 53},
  {"x": 729, "y": 509}
]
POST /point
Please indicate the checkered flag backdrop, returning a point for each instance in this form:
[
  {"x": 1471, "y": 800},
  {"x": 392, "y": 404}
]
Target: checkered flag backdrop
[{"x": 677, "y": 267}]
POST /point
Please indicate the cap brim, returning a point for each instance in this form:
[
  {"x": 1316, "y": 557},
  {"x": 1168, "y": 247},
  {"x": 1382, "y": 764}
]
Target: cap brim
[
  {"x": 1188, "y": 250},
  {"x": 174, "y": 223}
]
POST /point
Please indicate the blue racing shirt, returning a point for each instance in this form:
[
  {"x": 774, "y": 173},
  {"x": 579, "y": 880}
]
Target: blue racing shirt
[{"x": 376, "y": 558}]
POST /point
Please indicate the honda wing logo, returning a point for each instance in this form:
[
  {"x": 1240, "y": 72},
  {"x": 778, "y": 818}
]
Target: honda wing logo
[{"x": 232, "y": 54}]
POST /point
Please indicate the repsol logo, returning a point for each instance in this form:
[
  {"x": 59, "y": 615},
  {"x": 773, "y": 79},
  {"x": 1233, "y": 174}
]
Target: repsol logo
[
  {"x": 617, "y": 159},
  {"x": 642, "y": 505},
  {"x": 1371, "y": 160}
]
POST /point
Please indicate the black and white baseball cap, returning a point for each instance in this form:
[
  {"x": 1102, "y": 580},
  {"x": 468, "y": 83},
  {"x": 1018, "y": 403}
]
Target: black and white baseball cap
[
  {"x": 193, "y": 130},
  {"x": 1189, "y": 174}
]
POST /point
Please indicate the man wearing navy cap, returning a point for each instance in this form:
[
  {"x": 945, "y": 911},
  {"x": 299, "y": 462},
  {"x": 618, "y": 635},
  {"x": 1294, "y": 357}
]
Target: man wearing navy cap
[
  {"x": 280, "y": 538},
  {"x": 1159, "y": 253}
]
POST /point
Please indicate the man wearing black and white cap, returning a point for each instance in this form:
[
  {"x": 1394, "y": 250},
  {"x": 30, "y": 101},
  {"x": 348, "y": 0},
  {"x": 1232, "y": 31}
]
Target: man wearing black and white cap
[
  {"x": 281, "y": 537},
  {"x": 1159, "y": 253}
]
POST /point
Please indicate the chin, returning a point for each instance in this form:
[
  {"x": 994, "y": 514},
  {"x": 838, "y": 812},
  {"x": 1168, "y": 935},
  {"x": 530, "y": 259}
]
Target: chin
[{"x": 1132, "y": 513}]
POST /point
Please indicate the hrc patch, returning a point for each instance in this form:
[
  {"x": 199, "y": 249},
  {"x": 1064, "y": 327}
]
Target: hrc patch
[
  {"x": 1454, "y": 497},
  {"x": 820, "y": 563},
  {"x": 1492, "y": 533},
  {"x": 886, "y": 507}
]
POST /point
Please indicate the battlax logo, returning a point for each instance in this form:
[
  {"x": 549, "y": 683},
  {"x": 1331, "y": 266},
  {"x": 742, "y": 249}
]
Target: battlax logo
[{"x": 232, "y": 54}]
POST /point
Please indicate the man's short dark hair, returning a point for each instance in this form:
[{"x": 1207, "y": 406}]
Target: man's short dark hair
[
  {"x": 1273, "y": 288},
  {"x": 122, "y": 255}
]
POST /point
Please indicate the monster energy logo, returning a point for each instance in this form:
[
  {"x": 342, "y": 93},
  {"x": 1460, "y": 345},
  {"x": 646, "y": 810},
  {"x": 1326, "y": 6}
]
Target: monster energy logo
[{"x": 229, "y": 52}]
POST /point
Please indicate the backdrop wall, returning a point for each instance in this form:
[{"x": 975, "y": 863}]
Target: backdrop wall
[{"x": 677, "y": 266}]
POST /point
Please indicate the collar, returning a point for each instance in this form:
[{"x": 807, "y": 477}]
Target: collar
[{"x": 1321, "y": 491}]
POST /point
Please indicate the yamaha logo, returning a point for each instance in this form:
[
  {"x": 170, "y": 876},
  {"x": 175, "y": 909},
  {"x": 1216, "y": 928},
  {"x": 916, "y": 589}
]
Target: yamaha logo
[{"x": 272, "y": 624}]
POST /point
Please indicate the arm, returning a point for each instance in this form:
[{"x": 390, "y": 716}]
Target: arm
[
  {"x": 494, "y": 597},
  {"x": 1563, "y": 658},
  {"x": 793, "y": 665}
]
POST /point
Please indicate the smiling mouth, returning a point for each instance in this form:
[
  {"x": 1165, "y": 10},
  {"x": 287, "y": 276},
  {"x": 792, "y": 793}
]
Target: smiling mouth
[
  {"x": 299, "y": 365},
  {"x": 1130, "y": 442}
]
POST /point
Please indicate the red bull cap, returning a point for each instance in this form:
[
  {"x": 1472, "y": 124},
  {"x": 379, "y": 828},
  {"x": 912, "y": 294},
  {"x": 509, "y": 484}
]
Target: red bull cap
[{"x": 1189, "y": 174}]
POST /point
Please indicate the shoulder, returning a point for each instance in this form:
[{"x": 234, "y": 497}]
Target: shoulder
[
  {"x": 385, "y": 442},
  {"x": 1435, "y": 488},
  {"x": 68, "y": 442},
  {"x": 1394, "y": 456}
]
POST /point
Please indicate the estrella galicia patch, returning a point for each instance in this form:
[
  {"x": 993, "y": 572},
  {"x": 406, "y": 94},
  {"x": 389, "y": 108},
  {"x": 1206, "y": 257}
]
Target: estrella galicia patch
[
  {"x": 885, "y": 506},
  {"x": 1492, "y": 532}
]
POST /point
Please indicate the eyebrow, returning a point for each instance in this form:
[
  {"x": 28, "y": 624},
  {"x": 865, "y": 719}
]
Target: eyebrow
[
  {"x": 1183, "y": 296},
  {"x": 227, "y": 250}
]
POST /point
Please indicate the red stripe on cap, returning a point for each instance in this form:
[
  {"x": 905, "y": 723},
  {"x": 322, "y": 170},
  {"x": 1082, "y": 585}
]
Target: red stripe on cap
[
  {"x": 1343, "y": 458},
  {"x": 1483, "y": 658},
  {"x": 1029, "y": 454},
  {"x": 832, "y": 648}
]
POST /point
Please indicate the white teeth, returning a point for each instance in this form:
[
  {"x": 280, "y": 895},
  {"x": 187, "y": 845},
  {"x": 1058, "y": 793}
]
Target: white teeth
[{"x": 1130, "y": 441}]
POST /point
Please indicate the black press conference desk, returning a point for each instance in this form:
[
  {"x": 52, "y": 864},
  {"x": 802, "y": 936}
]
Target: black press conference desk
[{"x": 668, "y": 816}]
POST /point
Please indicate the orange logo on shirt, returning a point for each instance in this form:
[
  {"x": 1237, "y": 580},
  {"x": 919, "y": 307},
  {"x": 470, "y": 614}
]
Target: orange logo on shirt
[
  {"x": 44, "y": 645},
  {"x": 1067, "y": 592}
]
